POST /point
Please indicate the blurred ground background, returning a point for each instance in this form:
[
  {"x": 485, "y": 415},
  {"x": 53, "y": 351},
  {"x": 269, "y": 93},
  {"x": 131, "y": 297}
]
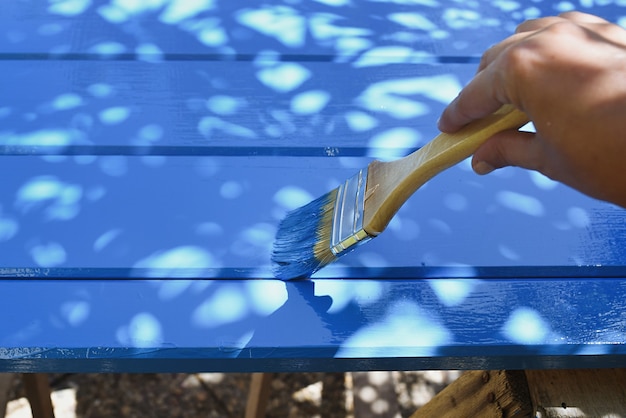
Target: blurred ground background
[{"x": 327, "y": 395}]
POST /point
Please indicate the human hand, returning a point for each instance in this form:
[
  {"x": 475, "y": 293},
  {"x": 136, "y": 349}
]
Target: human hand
[{"x": 568, "y": 74}]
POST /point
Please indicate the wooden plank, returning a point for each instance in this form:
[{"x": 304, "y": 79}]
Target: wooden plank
[
  {"x": 239, "y": 27},
  {"x": 258, "y": 395},
  {"x": 486, "y": 394},
  {"x": 37, "y": 391},
  {"x": 128, "y": 213},
  {"x": 6, "y": 383},
  {"x": 221, "y": 107},
  {"x": 578, "y": 393},
  {"x": 340, "y": 325}
]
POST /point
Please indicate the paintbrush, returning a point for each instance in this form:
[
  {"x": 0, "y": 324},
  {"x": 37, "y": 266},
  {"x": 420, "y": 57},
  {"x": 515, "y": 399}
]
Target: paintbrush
[{"x": 312, "y": 236}]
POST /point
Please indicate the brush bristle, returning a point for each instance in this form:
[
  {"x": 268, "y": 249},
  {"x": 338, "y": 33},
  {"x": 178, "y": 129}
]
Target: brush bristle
[{"x": 302, "y": 244}]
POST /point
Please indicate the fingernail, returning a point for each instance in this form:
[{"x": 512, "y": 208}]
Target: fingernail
[{"x": 482, "y": 168}]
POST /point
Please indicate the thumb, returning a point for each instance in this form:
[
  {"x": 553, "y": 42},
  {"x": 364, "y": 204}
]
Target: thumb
[{"x": 508, "y": 148}]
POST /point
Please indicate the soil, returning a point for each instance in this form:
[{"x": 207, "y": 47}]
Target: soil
[{"x": 328, "y": 395}]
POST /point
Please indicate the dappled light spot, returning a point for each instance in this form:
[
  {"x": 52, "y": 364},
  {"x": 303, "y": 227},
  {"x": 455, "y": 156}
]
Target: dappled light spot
[
  {"x": 8, "y": 228},
  {"x": 66, "y": 206},
  {"x": 68, "y": 7},
  {"x": 108, "y": 49},
  {"x": 113, "y": 165},
  {"x": 143, "y": 331},
  {"x": 541, "y": 181},
  {"x": 458, "y": 19},
  {"x": 360, "y": 121},
  {"x": 519, "y": 202},
  {"x": 413, "y": 20},
  {"x": 405, "y": 330},
  {"x": 225, "y": 306},
  {"x": 507, "y": 5},
  {"x": 385, "y": 55},
  {"x": 183, "y": 261},
  {"x": 60, "y": 199},
  {"x": 100, "y": 90},
  {"x": 335, "y": 3},
  {"x": 75, "y": 312},
  {"x": 42, "y": 138},
  {"x": 578, "y": 217},
  {"x": 405, "y": 229},
  {"x": 149, "y": 53},
  {"x": 440, "y": 226},
  {"x": 349, "y": 46},
  {"x": 105, "y": 239},
  {"x": 284, "y": 77},
  {"x": 67, "y": 101},
  {"x": 96, "y": 193},
  {"x": 112, "y": 14},
  {"x": 342, "y": 293},
  {"x": 455, "y": 201},
  {"x": 255, "y": 241},
  {"x": 215, "y": 127},
  {"x": 452, "y": 292},
  {"x": 384, "y": 95},
  {"x": 151, "y": 133},
  {"x": 179, "y": 10},
  {"x": 508, "y": 253},
  {"x": 526, "y": 326},
  {"x": 209, "y": 229},
  {"x": 393, "y": 143},
  {"x": 51, "y": 254},
  {"x": 309, "y": 102},
  {"x": 283, "y": 23},
  {"x": 114, "y": 115},
  {"x": 225, "y": 105},
  {"x": 210, "y": 33},
  {"x": 292, "y": 197},
  {"x": 231, "y": 190},
  {"x": 566, "y": 6},
  {"x": 264, "y": 297}
]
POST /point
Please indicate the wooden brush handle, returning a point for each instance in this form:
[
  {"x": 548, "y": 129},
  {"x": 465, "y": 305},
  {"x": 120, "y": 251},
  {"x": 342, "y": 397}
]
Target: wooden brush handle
[{"x": 390, "y": 184}]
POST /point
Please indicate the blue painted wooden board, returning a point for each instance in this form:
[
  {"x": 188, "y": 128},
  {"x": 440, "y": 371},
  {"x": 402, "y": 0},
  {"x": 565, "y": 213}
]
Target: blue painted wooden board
[
  {"x": 146, "y": 157},
  {"x": 266, "y": 325}
]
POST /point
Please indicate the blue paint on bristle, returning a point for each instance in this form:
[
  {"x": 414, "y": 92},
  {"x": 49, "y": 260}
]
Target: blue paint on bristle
[{"x": 302, "y": 244}]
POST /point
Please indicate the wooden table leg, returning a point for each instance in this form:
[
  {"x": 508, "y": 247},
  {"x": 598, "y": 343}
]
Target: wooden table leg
[
  {"x": 260, "y": 386},
  {"x": 6, "y": 381},
  {"x": 37, "y": 391},
  {"x": 486, "y": 394}
]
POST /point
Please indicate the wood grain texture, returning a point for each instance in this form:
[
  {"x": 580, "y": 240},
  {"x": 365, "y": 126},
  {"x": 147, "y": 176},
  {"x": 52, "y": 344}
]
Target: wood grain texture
[
  {"x": 597, "y": 393},
  {"x": 485, "y": 394},
  {"x": 258, "y": 394}
]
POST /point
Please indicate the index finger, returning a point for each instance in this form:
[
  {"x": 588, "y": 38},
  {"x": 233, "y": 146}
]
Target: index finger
[{"x": 482, "y": 96}]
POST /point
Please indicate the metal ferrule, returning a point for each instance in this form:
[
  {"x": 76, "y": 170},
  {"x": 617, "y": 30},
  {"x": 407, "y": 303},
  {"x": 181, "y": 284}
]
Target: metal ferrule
[{"x": 348, "y": 229}]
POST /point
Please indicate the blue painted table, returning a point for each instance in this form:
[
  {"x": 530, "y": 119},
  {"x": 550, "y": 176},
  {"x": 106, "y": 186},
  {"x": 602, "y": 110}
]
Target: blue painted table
[{"x": 149, "y": 149}]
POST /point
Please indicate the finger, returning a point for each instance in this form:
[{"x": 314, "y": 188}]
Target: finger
[
  {"x": 482, "y": 96},
  {"x": 509, "y": 148}
]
